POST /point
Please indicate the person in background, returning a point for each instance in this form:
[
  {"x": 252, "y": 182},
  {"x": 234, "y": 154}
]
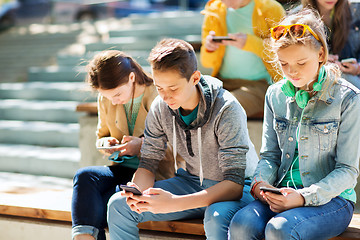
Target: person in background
[
  {"x": 342, "y": 20},
  {"x": 310, "y": 152},
  {"x": 125, "y": 95},
  {"x": 207, "y": 127},
  {"x": 241, "y": 63}
]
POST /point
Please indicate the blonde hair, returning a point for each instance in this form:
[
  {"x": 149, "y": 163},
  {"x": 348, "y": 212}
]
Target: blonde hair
[{"x": 307, "y": 17}]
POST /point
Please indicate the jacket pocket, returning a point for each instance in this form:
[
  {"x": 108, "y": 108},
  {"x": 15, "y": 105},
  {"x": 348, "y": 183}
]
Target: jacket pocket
[
  {"x": 281, "y": 126},
  {"x": 325, "y": 134}
]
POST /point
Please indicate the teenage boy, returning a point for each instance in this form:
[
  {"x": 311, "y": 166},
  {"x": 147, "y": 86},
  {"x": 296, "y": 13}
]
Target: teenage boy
[{"x": 207, "y": 128}]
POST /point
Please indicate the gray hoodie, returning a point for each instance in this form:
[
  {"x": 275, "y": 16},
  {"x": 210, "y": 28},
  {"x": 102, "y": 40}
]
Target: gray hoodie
[{"x": 215, "y": 146}]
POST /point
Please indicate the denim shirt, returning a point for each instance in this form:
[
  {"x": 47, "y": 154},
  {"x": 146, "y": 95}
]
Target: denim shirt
[{"x": 328, "y": 140}]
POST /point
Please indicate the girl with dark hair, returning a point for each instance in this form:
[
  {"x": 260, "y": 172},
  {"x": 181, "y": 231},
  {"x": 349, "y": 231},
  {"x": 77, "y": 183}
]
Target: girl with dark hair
[
  {"x": 342, "y": 19},
  {"x": 125, "y": 95}
]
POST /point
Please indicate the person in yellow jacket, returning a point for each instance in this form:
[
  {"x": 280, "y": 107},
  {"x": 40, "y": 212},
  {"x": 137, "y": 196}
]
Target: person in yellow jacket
[
  {"x": 125, "y": 95},
  {"x": 241, "y": 63}
]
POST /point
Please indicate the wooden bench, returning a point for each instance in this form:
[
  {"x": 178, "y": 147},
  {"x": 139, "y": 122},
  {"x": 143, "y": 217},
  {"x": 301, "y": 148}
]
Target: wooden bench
[{"x": 49, "y": 205}]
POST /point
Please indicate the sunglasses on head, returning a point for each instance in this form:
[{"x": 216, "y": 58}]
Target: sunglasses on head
[{"x": 296, "y": 30}]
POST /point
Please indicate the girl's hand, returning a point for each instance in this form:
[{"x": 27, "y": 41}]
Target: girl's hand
[
  {"x": 240, "y": 40},
  {"x": 289, "y": 199},
  {"x": 108, "y": 141},
  {"x": 130, "y": 146},
  {"x": 210, "y": 45},
  {"x": 258, "y": 193},
  {"x": 156, "y": 200}
]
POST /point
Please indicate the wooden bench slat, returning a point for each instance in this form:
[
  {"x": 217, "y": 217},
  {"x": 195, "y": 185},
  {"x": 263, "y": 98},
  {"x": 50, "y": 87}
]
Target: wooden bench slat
[{"x": 193, "y": 226}]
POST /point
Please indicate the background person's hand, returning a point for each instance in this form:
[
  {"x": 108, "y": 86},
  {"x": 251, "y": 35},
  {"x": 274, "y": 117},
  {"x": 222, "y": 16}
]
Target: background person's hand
[
  {"x": 210, "y": 45},
  {"x": 240, "y": 40}
]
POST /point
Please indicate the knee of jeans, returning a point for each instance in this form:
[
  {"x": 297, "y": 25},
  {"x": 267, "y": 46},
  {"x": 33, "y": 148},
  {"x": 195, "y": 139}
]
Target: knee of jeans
[
  {"x": 213, "y": 215},
  {"x": 241, "y": 227},
  {"x": 116, "y": 204},
  {"x": 278, "y": 228},
  {"x": 83, "y": 175}
]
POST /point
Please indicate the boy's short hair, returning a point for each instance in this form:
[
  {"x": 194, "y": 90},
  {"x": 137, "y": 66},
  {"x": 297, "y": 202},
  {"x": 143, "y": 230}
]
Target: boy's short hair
[{"x": 174, "y": 54}]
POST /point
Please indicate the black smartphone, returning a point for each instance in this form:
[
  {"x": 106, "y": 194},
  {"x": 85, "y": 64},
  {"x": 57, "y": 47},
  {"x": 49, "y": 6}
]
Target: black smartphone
[
  {"x": 273, "y": 190},
  {"x": 134, "y": 190},
  {"x": 220, "y": 38}
]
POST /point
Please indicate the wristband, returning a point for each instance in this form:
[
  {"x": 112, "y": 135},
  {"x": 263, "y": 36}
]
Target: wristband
[{"x": 253, "y": 188}]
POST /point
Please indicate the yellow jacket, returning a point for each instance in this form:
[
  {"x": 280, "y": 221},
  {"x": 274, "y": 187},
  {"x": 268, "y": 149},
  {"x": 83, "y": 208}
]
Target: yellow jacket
[
  {"x": 112, "y": 122},
  {"x": 267, "y": 13}
]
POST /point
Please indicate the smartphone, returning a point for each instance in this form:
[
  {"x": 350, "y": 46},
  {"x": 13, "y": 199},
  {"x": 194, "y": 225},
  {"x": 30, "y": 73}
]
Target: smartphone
[
  {"x": 220, "y": 38},
  {"x": 134, "y": 190},
  {"x": 273, "y": 190},
  {"x": 348, "y": 60},
  {"x": 110, "y": 146}
]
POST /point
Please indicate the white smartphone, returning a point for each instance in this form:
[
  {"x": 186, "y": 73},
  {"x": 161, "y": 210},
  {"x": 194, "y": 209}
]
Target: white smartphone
[
  {"x": 110, "y": 147},
  {"x": 349, "y": 60}
]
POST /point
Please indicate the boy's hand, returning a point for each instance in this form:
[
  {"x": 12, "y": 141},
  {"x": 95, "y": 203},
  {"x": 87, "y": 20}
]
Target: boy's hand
[
  {"x": 240, "y": 40},
  {"x": 210, "y": 45},
  {"x": 289, "y": 199},
  {"x": 155, "y": 200}
]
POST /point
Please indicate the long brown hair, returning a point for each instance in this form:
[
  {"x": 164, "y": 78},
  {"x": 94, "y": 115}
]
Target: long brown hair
[
  {"x": 111, "y": 68},
  {"x": 341, "y": 23}
]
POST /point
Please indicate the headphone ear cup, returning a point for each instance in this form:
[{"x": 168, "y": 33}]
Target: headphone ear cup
[
  {"x": 302, "y": 97},
  {"x": 317, "y": 86},
  {"x": 288, "y": 89}
]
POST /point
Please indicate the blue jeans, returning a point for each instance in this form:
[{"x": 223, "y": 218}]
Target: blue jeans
[
  {"x": 218, "y": 215},
  {"x": 257, "y": 221},
  {"x": 123, "y": 222},
  {"x": 93, "y": 187}
]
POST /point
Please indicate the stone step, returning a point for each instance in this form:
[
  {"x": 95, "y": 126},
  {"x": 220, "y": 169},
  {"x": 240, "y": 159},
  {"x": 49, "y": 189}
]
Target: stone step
[
  {"x": 174, "y": 18},
  {"x": 59, "y": 91},
  {"x": 29, "y": 159},
  {"x": 35, "y": 110},
  {"x": 134, "y": 43},
  {"x": 82, "y": 60},
  {"x": 152, "y": 30},
  {"x": 57, "y": 74},
  {"x": 39, "y": 133}
]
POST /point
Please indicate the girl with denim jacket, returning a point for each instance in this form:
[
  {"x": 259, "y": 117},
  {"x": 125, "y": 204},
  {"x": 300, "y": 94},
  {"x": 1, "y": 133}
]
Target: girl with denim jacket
[{"x": 310, "y": 146}]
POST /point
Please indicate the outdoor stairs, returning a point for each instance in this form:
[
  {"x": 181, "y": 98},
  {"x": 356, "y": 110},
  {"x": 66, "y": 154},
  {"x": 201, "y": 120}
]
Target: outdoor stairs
[{"x": 39, "y": 126}]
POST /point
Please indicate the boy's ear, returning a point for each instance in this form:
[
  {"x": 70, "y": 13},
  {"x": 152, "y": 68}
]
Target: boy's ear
[{"x": 196, "y": 76}]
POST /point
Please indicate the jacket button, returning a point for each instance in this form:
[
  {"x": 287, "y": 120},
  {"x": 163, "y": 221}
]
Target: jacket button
[
  {"x": 287, "y": 155},
  {"x": 291, "y": 139}
]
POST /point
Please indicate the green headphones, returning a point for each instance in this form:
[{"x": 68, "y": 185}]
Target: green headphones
[{"x": 301, "y": 96}]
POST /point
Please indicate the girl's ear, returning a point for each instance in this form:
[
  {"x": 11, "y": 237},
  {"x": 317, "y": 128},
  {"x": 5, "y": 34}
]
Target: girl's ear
[
  {"x": 132, "y": 77},
  {"x": 321, "y": 55}
]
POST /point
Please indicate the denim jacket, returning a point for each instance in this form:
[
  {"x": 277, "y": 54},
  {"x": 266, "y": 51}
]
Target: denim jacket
[{"x": 328, "y": 140}]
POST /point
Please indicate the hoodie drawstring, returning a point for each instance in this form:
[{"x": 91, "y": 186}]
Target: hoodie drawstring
[
  {"x": 201, "y": 173},
  {"x": 174, "y": 144}
]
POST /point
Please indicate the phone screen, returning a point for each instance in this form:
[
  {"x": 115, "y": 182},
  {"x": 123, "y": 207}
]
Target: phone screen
[
  {"x": 134, "y": 190},
  {"x": 273, "y": 190}
]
